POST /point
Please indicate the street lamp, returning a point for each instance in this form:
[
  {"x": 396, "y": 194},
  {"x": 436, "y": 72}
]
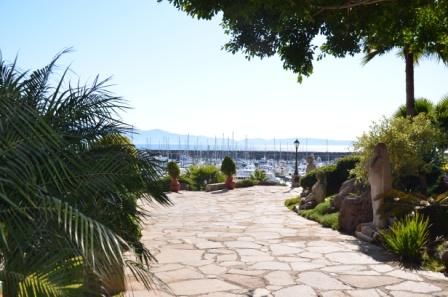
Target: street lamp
[{"x": 296, "y": 171}]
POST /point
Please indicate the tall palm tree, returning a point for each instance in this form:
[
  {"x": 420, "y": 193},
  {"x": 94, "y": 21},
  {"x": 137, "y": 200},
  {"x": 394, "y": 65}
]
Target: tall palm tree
[
  {"x": 69, "y": 183},
  {"x": 411, "y": 58},
  {"x": 421, "y": 105}
]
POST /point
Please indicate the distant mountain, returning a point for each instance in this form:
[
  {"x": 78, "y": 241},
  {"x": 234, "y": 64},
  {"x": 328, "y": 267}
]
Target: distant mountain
[{"x": 160, "y": 139}]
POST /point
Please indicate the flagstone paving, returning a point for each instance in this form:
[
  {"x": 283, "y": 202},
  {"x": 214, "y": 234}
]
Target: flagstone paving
[{"x": 246, "y": 243}]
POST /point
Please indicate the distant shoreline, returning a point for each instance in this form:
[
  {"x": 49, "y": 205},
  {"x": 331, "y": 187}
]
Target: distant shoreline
[
  {"x": 162, "y": 140},
  {"x": 322, "y": 149}
]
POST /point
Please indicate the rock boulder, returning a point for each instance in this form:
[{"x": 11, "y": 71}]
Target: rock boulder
[
  {"x": 354, "y": 210},
  {"x": 347, "y": 187}
]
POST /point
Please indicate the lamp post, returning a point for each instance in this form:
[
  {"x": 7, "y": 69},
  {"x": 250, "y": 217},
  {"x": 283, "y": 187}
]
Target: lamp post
[
  {"x": 296, "y": 170},
  {"x": 296, "y": 143}
]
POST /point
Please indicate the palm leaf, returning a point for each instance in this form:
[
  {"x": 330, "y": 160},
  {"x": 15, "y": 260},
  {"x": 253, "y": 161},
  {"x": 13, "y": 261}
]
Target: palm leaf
[{"x": 54, "y": 180}]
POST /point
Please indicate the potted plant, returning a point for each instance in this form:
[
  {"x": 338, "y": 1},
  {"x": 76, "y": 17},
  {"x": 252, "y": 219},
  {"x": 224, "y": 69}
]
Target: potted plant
[
  {"x": 173, "y": 172},
  {"x": 228, "y": 167}
]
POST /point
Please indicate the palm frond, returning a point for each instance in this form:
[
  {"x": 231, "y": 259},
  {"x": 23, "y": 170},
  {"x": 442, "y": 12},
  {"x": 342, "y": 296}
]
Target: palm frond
[
  {"x": 421, "y": 105},
  {"x": 68, "y": 207},
  {"x": 373, "y": 53}
]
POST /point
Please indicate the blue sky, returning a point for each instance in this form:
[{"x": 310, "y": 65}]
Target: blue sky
[{"x": 175, "y": 76}]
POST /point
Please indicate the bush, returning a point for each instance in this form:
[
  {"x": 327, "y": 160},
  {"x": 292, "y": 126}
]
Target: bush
[
  {"x": 259, "y": 175},
  {"x": 320, "y": 214},
  {"x": 291, "y": 202},
  {"x": 407, "y": 238},
  {"x": 437, "y": 213},
  {"x": 245, "y": 183},
  {"x": 228, "y": 167},
  {"x": 185, "y": 183},
  {"x": 412, "y": 146},
  {"x": 204, "y": 174},
  {"x": 173, "y": 169},
  {"x": 399, "y": 204},
  {"x": 335, "y": 174},
  {"x": 308, "y": 180}
]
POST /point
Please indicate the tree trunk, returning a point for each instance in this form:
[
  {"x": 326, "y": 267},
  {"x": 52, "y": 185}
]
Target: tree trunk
[{"x": 410, "y": 100}]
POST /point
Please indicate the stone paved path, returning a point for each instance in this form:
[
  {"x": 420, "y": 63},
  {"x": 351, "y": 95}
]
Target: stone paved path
[{"x": 246, "y": 243}]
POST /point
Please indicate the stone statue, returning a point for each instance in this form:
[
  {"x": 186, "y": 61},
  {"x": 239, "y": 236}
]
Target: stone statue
[
  {"x": 310, "y": 163},
  {"x": 318, "y": 193},
  {"x": 380, "y": 180}
]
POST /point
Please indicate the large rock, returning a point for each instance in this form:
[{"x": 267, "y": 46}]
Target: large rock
[
  {"x": 347, "y": 187},
  {"x": 380, "y": 180},
  {"x": 354, "y": 210},
  {"x": 318, "y": 193}
]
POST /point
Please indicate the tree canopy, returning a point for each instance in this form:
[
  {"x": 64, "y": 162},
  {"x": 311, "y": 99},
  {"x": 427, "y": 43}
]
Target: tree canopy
[
  {"x": 289, "y": 28},
  {"x": 302, "y": 31}
]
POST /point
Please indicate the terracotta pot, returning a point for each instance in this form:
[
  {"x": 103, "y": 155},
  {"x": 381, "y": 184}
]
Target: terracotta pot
[
  {"x": 174, "y": 185},
  {"x": 230, "y": 184}
]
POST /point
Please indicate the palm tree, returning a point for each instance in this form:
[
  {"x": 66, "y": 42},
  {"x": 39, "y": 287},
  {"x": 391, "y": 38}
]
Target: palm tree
[
  {"x": 69, "y": 183},
  {"x": 441, "y": 113},
  {"x": 411, "y": 58},
  {"x": 438, "y": 114},
  {"x": 421, "y": 105}
]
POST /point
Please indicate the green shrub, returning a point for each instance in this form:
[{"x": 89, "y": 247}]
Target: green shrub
[
  {"x": 335, "y": 174},
  {"x": 438, "y": 114},
  {"x": 347, "y": 163},
  {"x": 245, "y": 183},
  {"x": 291, "y": 202},
  {"x": 228, "y": 167},
  {"x": 201, "y": 175},
  {"x": 320, "y": 214},
  {"x": 308, "y": 180},
  {"x": 407, "y": 238},
  {"x": 185, "y": 182},
  {"x": 437, "y": 213},
  {"x": 259, "y": 175},
  {"x": 400, "y": 204},
  {"x": 412, "y": 146},
  {"x": 335, "y": 178},
  {"x": 173, "y": 169}
]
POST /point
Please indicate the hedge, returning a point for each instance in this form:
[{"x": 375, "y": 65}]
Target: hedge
[{"x": 336, "y": 174}]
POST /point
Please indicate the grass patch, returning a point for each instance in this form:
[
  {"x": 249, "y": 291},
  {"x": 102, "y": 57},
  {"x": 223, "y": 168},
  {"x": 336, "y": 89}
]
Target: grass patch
[
  {"x": 320, "y": 215},
  {"x": 291, "y": 202}
]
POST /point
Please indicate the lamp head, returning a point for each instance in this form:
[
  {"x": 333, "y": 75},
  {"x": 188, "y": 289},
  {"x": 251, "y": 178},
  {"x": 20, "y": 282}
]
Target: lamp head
[{"x": 297, "y": 143}]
